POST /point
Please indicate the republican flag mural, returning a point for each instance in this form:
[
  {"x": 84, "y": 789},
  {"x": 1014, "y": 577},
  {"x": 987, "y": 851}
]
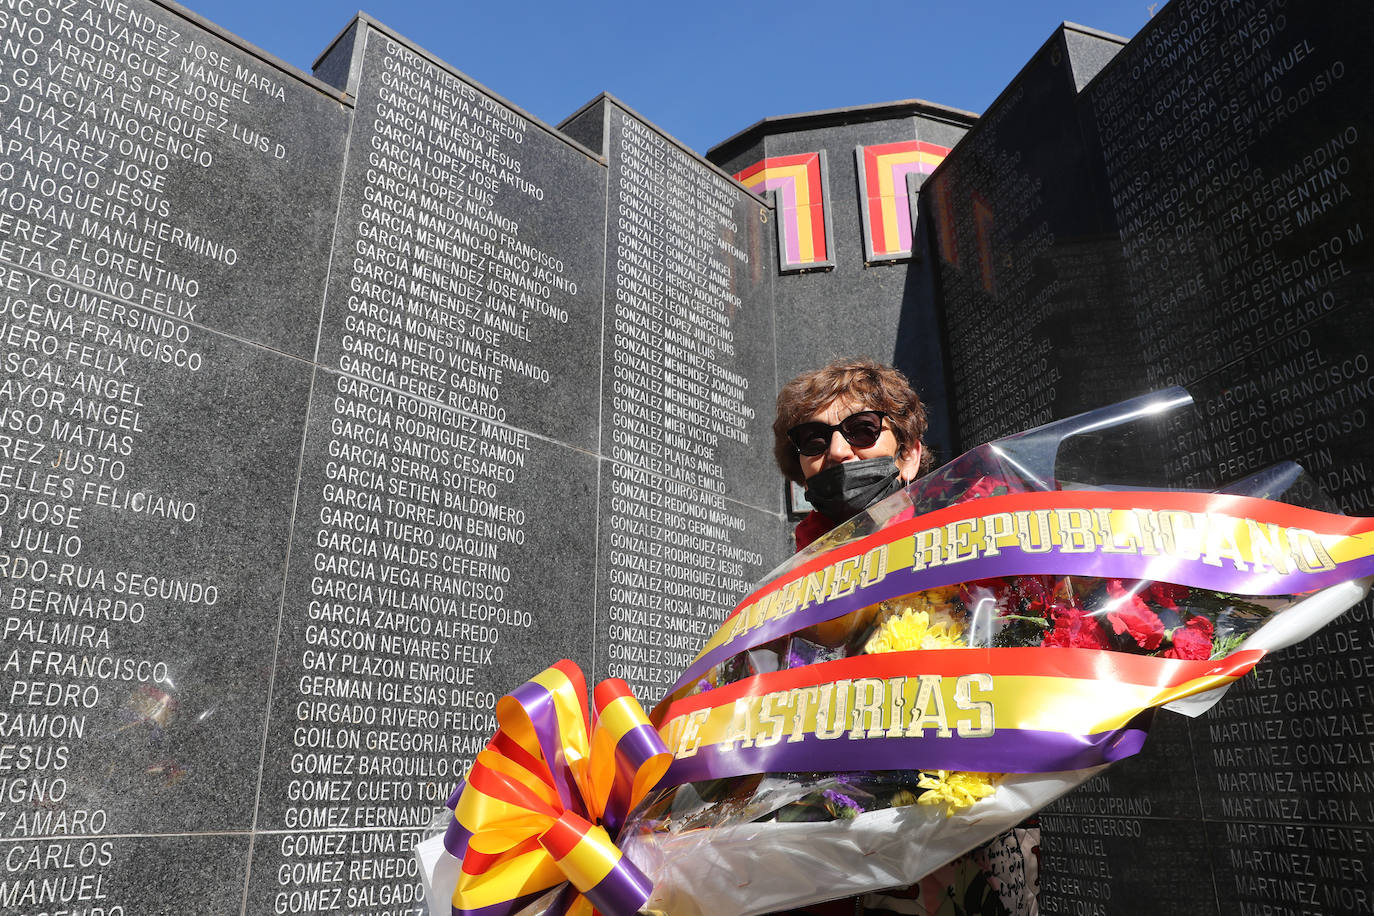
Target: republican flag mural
[
  {"x": 883, "y": 170},
  {"x": 800, "y": 184}
]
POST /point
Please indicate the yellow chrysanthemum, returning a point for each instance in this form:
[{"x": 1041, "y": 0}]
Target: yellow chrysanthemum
[
  {"x": 912, "y": 630},
  {"x": 937, "y": 599},
  {"x": 940, "y": 603},
  {"x": 954, "y": 790}
]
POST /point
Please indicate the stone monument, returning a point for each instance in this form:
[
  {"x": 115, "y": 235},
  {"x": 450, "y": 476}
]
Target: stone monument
[
  {"x": 334, "y": 409},
  {"x": 334, "y": 406},
  {"x": 1189, "y": 209}
]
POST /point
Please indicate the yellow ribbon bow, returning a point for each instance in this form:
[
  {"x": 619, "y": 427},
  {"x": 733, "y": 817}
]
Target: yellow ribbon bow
[{"x": 545, "y": 798}]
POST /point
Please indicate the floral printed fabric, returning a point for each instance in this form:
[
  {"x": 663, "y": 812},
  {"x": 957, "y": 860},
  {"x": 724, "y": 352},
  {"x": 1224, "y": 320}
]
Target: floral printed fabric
[{"x": 1000, "y": 878}]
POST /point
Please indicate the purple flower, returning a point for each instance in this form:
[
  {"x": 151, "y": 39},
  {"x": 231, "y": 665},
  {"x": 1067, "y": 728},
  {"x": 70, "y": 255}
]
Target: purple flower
[{"x": 841, "y": 805}]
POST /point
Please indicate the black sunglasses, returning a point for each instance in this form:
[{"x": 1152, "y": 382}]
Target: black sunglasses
[{"x": 860, "y": 430}]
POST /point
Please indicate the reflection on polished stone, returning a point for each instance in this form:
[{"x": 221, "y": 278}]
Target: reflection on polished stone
[
  {"x": 1215, "y": 240},
  {"x": 334, "y": 408}
]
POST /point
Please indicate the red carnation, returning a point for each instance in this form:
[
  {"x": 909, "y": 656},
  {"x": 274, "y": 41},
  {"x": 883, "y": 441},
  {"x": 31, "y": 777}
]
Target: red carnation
[
  {"x": 1036, "y": 591},
  {"x": 1193, "y": 640},
  {"x": 1165, "y": 594},
  {"x": 985, "y": 485},
  {"x": 1073, "y": 629},
  {"x": 1131, "y": 615}
]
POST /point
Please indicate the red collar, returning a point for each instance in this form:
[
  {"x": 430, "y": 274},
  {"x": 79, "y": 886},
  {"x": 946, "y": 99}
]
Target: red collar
[{"x": 813, "y": 526}]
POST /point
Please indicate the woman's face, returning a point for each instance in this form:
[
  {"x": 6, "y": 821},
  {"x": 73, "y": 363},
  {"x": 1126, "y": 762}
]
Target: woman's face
[{"x": 841, "y": 451}]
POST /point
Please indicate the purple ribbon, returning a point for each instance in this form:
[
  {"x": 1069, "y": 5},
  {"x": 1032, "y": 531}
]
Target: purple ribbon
[{"x": 1014, "y": 562}]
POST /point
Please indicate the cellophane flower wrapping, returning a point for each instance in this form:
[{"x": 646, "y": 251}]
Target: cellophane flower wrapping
[{"x": 796, "y": 820}]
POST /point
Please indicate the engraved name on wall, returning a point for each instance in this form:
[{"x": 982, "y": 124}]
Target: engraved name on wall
[
  {"x": 688, "y": 327},
  {"x": 146, "y": 308},
  {"x": 446, "y": 477}
]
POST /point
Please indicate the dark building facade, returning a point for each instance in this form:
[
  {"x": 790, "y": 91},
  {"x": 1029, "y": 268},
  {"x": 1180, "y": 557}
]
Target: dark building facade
[{"x": 337, "y": 405}]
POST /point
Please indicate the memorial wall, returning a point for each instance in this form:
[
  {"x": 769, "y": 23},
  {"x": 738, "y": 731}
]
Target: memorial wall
[
  {"x": 449, "y": 453},
  {"x": 1192, "y": 213},
  {"x": 333, "y": 410},
  {"x": 167, "y": 216},
  {"x": 336, "y": 406},
  {"x": 688, "y": 501}
]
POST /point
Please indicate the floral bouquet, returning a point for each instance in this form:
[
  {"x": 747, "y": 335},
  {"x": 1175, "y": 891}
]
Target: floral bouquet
[
  {"x": 914, "y": 684},
  {"x": 885, "y": 700}
]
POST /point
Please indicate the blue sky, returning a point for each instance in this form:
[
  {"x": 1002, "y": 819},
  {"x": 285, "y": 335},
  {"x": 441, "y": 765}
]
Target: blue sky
[{"x": 701, "y": 71}]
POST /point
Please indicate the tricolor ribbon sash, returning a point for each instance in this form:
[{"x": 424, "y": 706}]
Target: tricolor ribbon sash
[
  {"x": 1013, "y": 710},
  {"x": 1235, "y": 544},
  {"x": 545, "y": 799}
]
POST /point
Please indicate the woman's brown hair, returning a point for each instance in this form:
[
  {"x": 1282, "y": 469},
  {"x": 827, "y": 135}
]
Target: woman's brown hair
[{"x": 869, "y": 385}]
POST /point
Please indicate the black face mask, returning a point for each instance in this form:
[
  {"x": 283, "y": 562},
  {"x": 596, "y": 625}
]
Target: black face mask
[{"x": 843, "y": 491}]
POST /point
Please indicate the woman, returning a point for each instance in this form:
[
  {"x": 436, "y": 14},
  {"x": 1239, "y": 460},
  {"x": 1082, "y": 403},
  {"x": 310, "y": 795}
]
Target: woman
[{"x": 850, "y": 433}]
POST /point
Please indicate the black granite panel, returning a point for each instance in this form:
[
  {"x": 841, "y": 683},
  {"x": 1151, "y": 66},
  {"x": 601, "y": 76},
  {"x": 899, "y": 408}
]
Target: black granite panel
[
  {"x": 673, "y": 562},
  {"x": 150, "y": 161},
  {"x": 689, "y": 499},
  {"x": 1239, "y": 198},
  {"x": 1242, "y": 205},
  {"x": 1248, "y": 266},
  {"x": 1161, "y": 781},
  {"x": 1288, "y": 869},
  {"x": 167, "y": 209},
  {"x": 147, "y": 467},
  {"x": 1026, "y": 258},
  {"x": 688, "y": 385},
  {"x": 1124, "y": 865},
  {"x": 1303, "y": 396},
  {"x": 1293, "y": 744},
  {"x": 418, "y": 595},
  {"x": 412, "y": 574},
  {"x": 466, "y": 273},
  {"x": 368, "y": 871},
  {"x": 1226, "y": 148},
  {"x": 109, "y": 876},
  {"x": 448, "y": 477}
]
